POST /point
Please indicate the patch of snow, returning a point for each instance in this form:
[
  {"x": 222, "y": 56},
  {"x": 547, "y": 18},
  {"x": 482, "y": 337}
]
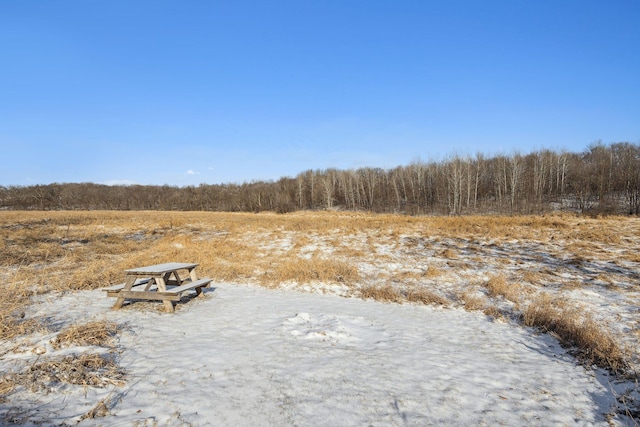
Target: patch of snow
[{"x": 247, "y": 355}]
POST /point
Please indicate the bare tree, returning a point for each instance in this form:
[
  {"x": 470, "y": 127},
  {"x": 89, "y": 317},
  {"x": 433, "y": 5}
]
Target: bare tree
[{"x": 329, "y": 182}]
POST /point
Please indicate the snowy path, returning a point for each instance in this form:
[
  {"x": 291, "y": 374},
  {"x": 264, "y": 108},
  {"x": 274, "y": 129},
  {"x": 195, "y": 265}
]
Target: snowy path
[{"x": 253, "y": 356}]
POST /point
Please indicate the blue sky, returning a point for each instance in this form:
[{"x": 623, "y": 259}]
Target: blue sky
[{"x": 190, "y": 92}]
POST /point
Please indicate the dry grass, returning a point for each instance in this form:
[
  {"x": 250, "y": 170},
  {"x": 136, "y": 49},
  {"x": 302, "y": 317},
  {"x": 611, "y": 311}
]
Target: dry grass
[
  {"x": 499, "y": 285},
  {"x": 305, "y": 270},
  {"x": 425, "y": 296},
  {"x": 61, "y": 251},
  {"x": 533, "y": 277},
  {"x": 388, "y": 293},
  {"x": 494, "y": 312},
  {"x": 15, "y": 326},
  {"x": 87, "y": 369},
  {"x": 101, "y": 409},
  {"x": 406, "y": 275},
  {"x": 381, "y": 293},
  {"x": 94, "y": 370},
  {"x": 14, "y": 301},
  {"x": 7, "y": 385},
  {"x": 433, "y": 272},
  {"x": 449, "y": 253},
  {"x": 505, "y": 261},
  {"x": 570, "y": 285},
  {"x": 472, "y": 301},
  {"x": 98, "y": 333},
  {"x": 576, "y": 328},
  {"x": 350, "y": 252},
  {"x": 632, "y": 257}
]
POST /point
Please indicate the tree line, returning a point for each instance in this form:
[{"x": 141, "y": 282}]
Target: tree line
[{"x": 601, "y": 179}]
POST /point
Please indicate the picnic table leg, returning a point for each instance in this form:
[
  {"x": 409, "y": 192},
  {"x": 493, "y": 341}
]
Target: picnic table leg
[
  {"x": 199, "y": 293},
  {"x": 119, "y": 303},
  {"x": 150, "y": 283},
  {"x": 168, "y": 306},
  {"x": 130, "y": 280},
  {"x": 193, "y": 275},
  {"x": 162, "y": 286}
]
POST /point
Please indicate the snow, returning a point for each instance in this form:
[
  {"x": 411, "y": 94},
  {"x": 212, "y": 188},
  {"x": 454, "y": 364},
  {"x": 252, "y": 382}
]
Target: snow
[{"x": 247, "y": 355}]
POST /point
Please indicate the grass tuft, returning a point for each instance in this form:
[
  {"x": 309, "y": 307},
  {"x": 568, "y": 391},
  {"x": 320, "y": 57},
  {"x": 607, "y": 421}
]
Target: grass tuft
[
  {"x": 498, "y": 285},
  {"x": 89, "y": 369},
  {"x": 99, "y": 333},
  {"x": 388, "y": 293},
  {"x": 381, "y": 293},
  {"x": 576, "y": 328},
  {"x": 425, "y": 296},
  {"x": 471, "y": 301}
]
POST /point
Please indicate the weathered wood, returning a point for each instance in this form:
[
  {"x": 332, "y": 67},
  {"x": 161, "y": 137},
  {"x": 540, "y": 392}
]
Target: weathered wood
[
  {"x": 157, "y": 296},
  {"x": 119, "y": 303},
  {"x": 160, "y": 268},
  {"x": 122, "y": 285},
  {"x": 202, "y": 283},
  {"x": 162, "y": 285},
  {"x": 147, "y": 288},
  {"x": 155, "y": 287},
  {"x": 114, "y": 288},
  {"x": 168, "y": 306},
  {"x": 177, "y": 277}
]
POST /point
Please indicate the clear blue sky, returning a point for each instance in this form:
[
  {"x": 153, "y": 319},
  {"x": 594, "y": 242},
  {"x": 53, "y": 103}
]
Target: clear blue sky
[{"x": 189, "y": 92}]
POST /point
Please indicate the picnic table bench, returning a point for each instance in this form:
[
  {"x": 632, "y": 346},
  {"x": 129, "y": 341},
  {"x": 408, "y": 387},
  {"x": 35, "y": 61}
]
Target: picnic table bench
[{"x": 165, "y": 282}]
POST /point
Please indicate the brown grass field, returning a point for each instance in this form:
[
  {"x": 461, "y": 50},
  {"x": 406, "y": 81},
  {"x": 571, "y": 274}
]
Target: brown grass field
[{"x": 573, "y": 277}]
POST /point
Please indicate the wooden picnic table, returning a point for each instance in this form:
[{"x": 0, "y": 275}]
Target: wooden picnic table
[{"x": 165, "y": 282}]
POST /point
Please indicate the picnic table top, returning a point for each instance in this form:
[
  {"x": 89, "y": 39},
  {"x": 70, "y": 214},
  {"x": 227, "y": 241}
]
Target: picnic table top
[{"x": 161, "y": 268}]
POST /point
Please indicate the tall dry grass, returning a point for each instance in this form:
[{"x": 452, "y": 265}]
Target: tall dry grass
[
  {"x": 305, "y": 270},
  {"x": 381, "y": 293},
  {"x": 577, "y": 328},
  {"x": 500, "y": 285}
]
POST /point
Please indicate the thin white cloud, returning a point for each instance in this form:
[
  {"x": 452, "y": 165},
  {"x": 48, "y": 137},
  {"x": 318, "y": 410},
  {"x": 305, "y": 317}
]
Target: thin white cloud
[{"x": 190, "y": 172}]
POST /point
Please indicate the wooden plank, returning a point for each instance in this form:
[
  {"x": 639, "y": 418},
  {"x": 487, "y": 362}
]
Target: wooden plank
[
  {"x": 202, "y": 283},
  {"x": 122, "y": 285},
  {"x": 160, "y": 296},
  {"x": 116, "y": 293},
  {"x": 160, "y": 268}
]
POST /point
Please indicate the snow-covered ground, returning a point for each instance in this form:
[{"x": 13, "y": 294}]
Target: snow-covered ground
[{"x": 247, "y": 355}]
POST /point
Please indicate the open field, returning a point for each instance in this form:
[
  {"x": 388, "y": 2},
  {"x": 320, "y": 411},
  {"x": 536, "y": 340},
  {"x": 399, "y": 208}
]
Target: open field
[{"x": 576, "y": 278}]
